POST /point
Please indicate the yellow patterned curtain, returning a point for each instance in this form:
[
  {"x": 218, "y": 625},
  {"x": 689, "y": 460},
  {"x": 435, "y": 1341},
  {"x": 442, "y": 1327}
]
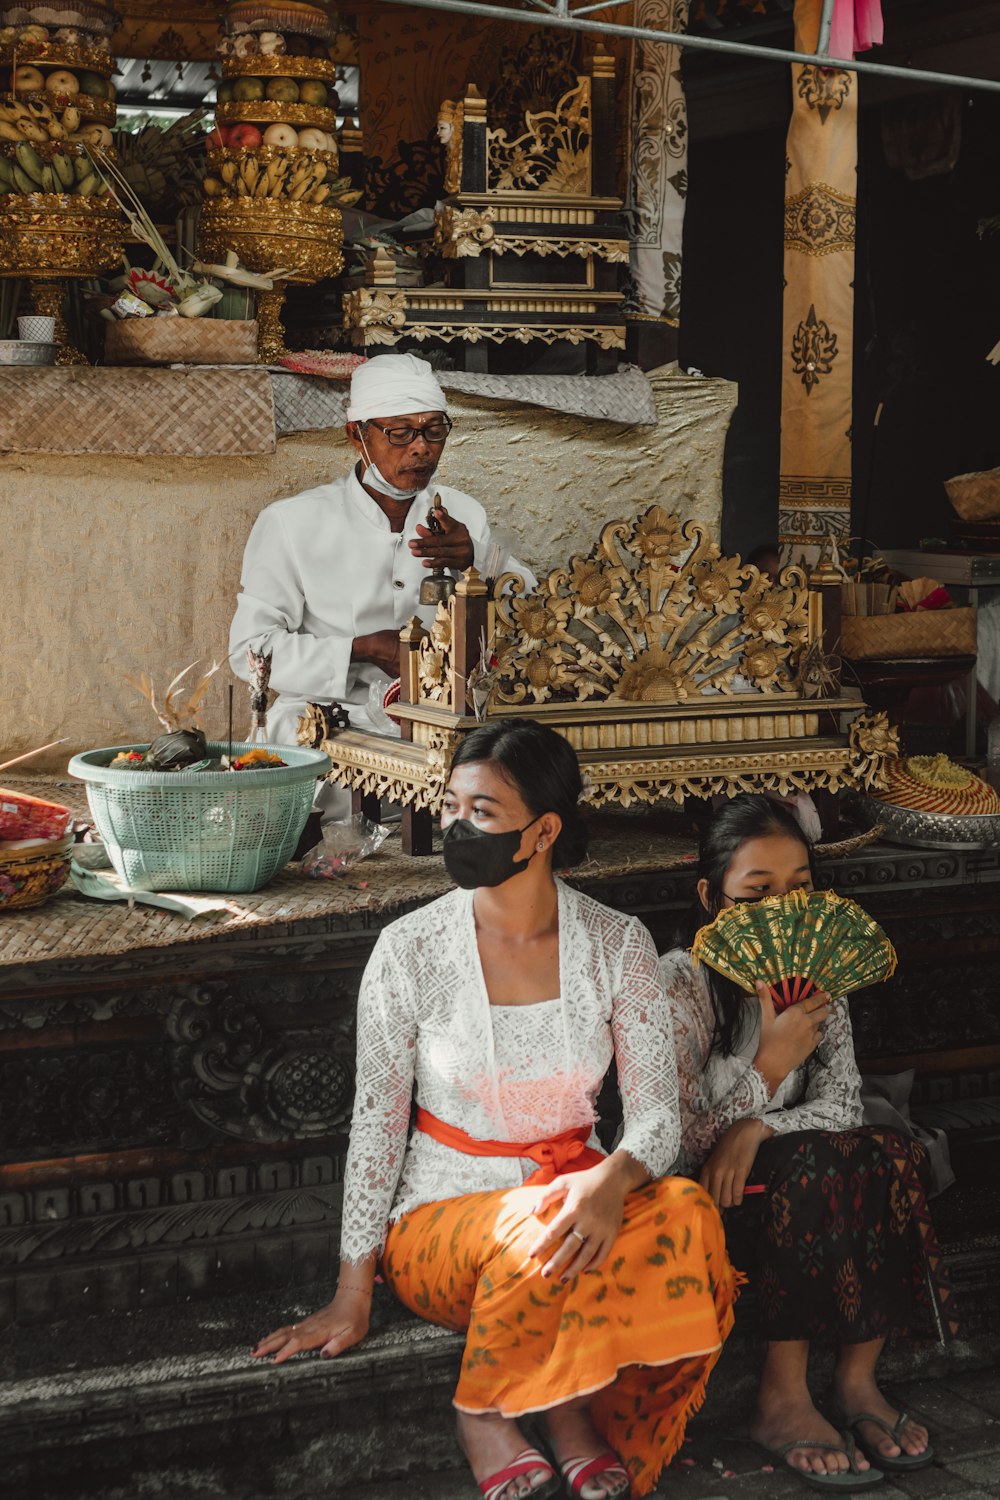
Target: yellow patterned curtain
[{"x": 814, "y": 498}]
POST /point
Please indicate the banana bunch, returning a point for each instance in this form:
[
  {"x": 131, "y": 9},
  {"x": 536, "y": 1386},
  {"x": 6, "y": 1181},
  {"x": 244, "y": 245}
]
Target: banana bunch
[
  {"x": 27, "y": 172},
  {"x": 33, "y": 120},
  {"x": 304, "y": 182}
]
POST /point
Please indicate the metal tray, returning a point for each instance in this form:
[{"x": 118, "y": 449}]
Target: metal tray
[{"x": 926, "y": 830}]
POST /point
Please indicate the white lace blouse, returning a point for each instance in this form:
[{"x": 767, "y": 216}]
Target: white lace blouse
[
  {"x": 425, "y": 1025},
  {"x": 717, "y": 1091}
]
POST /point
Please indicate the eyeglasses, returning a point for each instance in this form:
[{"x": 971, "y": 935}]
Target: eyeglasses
[{"x": 401, "y": 437}]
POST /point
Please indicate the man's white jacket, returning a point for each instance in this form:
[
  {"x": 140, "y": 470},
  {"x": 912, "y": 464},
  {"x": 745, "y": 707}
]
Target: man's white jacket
[{"x": 322, "y": 568}]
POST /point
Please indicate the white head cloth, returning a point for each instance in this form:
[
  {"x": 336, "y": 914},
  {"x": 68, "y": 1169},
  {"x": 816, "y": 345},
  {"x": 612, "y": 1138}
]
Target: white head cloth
[{"x": 393, "y": 385}]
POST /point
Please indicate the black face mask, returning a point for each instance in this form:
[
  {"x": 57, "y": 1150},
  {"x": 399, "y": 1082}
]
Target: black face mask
[{"x": 473, "y": 857}]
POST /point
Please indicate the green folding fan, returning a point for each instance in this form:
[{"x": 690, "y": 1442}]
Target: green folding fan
[{"x": 798, "y": 944}]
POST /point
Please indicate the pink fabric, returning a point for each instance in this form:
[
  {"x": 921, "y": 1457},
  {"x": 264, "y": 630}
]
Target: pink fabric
[{"x": 857, "y": 25}]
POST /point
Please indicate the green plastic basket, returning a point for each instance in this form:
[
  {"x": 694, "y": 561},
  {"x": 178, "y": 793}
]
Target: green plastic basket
[{"x": 200, "y": 830}]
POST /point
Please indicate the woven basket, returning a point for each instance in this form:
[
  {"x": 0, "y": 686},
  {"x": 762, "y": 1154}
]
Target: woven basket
[
  {"x": 181, "y": 341},
  {"x": 975, "y": 497},
  {"x": 30, "y": 876},
  {"x": 200, "y": 830},
  {"x": 901, "y": 637}
]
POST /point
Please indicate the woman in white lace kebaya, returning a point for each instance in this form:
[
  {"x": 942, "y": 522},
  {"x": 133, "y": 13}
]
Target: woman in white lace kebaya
[
  {"x": 590, "y": 1287},
  {"x": 828, "y": 1219}
]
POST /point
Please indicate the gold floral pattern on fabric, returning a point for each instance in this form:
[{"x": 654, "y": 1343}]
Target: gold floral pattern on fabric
[
  {"x": 814, "y": 349},
  {"x": 814, "y": 489},
  {"x": 820, "y": 221},
  {"x": 823, "y": 89}
]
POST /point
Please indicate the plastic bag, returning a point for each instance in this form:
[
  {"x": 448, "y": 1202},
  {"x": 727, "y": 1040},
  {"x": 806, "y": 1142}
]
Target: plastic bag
[{"x": 342, "y": 846}]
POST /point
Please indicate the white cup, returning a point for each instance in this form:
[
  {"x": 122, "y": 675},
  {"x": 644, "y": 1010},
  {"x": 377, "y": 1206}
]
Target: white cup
[{"x": 36, "y": 329}]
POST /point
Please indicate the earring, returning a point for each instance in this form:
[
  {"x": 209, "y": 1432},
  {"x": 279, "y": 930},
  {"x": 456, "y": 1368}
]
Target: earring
[{"x": 539, "y": 846}]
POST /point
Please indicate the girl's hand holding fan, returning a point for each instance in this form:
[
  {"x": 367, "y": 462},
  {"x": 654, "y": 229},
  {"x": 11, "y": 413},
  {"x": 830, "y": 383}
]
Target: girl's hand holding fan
[{"x": 790, "y": 1036}]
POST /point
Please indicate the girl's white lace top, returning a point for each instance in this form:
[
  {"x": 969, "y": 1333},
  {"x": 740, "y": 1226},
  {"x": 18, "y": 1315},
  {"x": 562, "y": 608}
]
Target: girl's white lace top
[
  {"x": 716, "y": 1091},
  {"x": 425, "y": 1025}
]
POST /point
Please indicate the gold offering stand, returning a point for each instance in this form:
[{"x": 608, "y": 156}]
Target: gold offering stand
[
  {"x": 269, "y": 232},
  {"x": 51, "y": 238},
  {"x": 673, "y": 672},
  {"x": 255, "y": 210}
]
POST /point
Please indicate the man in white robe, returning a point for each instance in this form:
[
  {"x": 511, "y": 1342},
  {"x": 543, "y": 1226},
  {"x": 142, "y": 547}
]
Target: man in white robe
[{"x": 332, "y": 575}]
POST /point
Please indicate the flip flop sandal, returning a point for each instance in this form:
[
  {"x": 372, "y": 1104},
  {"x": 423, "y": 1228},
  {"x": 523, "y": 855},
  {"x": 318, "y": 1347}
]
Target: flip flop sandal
[
  {"x": 527, "y": 1462},
  {"x": 847, "y": 1480},
  {"x": 902, "y": 1460},
  {"x": 580, "y": 1471}
]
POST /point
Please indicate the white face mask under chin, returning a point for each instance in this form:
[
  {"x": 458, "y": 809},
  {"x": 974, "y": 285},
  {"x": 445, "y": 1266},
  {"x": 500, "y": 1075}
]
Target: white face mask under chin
[{"x": 373, "y": 477}]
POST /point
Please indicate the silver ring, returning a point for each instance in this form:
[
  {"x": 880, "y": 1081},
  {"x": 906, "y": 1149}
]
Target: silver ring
[{"x": 578, "y": 1236}]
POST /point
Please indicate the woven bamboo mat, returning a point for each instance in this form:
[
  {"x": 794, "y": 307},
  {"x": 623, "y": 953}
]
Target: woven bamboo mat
[
  {"x": 72, "y": 927},
  {"x": 189, "y": 413}
]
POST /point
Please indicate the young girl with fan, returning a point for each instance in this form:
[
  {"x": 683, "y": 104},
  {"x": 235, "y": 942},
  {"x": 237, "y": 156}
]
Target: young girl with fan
[
  {"x": 829, "y": 1219},
  {"x": 591, "y": 1288}
]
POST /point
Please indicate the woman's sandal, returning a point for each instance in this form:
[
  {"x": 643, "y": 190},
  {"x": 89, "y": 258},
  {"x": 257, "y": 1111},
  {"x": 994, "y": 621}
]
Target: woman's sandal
[
  {"x": 846, "y": 1480},
  {"x": 577, "y": 1472},
  {"x": 902, "y": 1460},
  {"x": 527, "y": 1462}
]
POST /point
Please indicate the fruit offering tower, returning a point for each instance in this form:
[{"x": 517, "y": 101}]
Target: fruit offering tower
[
  {"x": 56, "y": 101},
  {"x": 273, "y": 191}
]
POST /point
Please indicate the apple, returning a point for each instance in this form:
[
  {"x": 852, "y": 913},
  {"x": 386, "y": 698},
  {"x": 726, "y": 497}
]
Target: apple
[
  {"x": 248, "y": 90},
  {"x": 29, "y": 80},
  {"x": 313, "y": 140},
  {"x": 217, "y": 138},
  {"x": 311, "y": 91},
  {"x": 246, "y": 137},
  {"x": 62, "y": 84},
  {"x": 283, "y": 90},
  {"x": 281, "y": 135}
]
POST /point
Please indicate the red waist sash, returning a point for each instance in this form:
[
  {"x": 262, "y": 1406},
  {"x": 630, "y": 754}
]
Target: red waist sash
[{"x": 567, "y": 1152}]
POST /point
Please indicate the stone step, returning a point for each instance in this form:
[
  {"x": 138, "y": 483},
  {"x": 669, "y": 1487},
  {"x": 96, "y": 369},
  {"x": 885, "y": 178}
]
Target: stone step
[{"x": 172, "y": 1396}]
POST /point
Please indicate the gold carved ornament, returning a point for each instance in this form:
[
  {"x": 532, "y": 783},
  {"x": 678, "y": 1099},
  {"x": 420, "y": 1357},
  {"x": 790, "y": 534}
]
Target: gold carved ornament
[
  {"x": 615, "y": 252},
  {"x": 451, "y": 124},
  {"x": 380, "y": 313},
  {"x": 461, "y": 232},
  {"x": 652, "y": 614},
  {"x": 502, "y": 333},
  {"x": 873, "y": 743},
  {"x": 554, "y": 152}
]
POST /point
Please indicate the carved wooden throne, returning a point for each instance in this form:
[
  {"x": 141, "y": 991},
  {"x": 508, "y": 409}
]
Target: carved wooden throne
[
  {"x": 673, "y": 672},
  {"x": 531, "y": 234}
]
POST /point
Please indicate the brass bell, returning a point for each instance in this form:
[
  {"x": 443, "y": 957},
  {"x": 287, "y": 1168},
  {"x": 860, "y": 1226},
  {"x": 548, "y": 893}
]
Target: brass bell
[{"x": 438, "y": 586}]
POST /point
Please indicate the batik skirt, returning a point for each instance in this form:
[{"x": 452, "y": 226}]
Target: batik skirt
[
  {"x": 841, "y": 1244},
  {"x": 641, "y": 1333}
]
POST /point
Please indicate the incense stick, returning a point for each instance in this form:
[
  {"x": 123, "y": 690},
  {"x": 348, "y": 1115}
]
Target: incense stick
[
  {"x": 29, "y": 753},
  {"x": 230, "y": 752}
]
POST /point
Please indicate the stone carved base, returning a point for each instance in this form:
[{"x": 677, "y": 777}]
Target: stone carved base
[{"x": 211, "y": 1116}]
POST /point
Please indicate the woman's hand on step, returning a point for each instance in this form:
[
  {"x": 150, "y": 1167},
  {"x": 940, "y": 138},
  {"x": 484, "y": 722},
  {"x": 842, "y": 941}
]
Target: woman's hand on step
[{"x": 336, "y": 1327}]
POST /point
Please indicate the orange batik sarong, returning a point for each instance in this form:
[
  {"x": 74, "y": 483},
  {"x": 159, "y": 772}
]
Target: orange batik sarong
[{"x": 641, "y": 1333}]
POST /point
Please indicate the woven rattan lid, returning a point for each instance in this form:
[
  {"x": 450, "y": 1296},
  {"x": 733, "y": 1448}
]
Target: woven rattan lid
[{"x": 933, "y": 783}]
